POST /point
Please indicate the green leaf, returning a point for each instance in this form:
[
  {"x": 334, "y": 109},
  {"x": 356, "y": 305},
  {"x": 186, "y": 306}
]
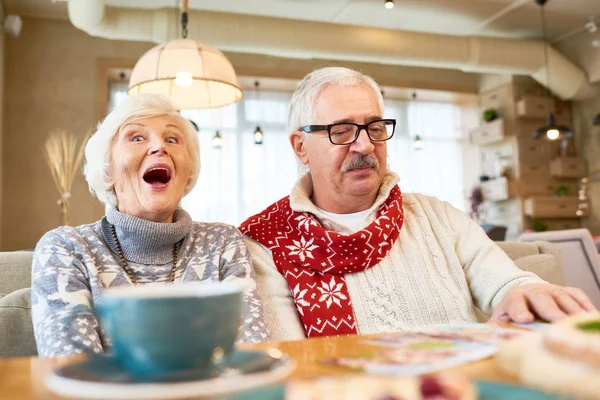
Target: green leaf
[{"x": 590, "y": 326}]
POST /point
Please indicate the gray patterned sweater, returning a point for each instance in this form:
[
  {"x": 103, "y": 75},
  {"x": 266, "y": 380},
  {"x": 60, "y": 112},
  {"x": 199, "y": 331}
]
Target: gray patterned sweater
[{"x": 72, "y": 265}]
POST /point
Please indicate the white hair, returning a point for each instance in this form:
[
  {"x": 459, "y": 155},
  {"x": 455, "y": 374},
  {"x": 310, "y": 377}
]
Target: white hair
[
  {"x": 301, "y": 110},
  {"x": 141, "y": 106}
]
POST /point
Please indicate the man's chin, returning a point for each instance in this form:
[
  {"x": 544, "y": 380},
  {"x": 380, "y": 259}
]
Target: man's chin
[{"x": 363, "y": 186}]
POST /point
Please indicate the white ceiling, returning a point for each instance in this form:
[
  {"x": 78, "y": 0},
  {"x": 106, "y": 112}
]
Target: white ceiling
[{"x": 504, "y": 18}]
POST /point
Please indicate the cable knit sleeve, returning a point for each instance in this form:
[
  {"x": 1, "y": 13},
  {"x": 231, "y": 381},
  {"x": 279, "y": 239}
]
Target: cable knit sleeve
[
  {"x": 236, "y": 264},
  {"x": 61, "y": 300},
  {"x": 280, "y": 310},
  {"x": 490, "y": 272}
]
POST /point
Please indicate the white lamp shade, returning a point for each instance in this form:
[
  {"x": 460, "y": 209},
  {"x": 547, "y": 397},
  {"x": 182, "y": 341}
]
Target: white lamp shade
[{"x": 190, "y": 73}]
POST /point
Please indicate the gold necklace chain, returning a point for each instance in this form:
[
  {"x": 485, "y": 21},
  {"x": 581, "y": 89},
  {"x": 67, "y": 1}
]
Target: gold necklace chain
[{"x": 126, "y": 264}]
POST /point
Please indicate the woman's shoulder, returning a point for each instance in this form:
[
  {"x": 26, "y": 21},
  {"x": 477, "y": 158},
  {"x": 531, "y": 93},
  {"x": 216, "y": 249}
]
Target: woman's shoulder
[{"x": 68, "y": 237}]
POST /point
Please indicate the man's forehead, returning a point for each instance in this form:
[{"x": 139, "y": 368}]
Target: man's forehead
[{"x": 346, "y": 104}]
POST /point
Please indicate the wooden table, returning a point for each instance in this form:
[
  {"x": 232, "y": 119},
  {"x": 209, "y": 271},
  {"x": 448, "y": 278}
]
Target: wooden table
[{"x": 22, "y": 378}]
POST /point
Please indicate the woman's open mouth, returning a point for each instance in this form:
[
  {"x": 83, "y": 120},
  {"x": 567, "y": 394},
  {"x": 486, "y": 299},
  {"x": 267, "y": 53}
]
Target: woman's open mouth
[{"x": 158, "y": 176}]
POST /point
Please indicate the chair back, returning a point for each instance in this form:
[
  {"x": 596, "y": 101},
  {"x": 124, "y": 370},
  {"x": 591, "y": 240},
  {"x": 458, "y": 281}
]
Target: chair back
[
  {"x": 16, "y": 329},
  {"x": 581, "y": 261}
]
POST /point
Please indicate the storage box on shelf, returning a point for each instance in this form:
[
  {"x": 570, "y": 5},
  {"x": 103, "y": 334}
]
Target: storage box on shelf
[
  {"x": 500, "y": 99},
  {"x": 498, "y": 189},
  {"x": 533, "y": 107},
  {"x": 549, "y": 187},
  {"x": 568, "y": 167},
  {"x": 488, "y": 132},
  {"x": 530, "y": 149},
  {"x": 552, "y": 206},
  {"x": 533, "y": 171},
  {"x": 540, "y": 107},
  {"x": 505, "y": 210}
]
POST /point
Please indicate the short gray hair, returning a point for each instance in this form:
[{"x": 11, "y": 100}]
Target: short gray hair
[
  {"x": 301, "y": 109},
  {"x": 133, "y": 108}
]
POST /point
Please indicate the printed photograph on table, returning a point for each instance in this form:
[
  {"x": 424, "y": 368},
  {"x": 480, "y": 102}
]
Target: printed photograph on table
[{"x": 428, "y": 350}]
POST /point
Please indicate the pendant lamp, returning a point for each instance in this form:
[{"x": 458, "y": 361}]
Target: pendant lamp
[
  {"x": 217, "y": 141},
  {"x": 258, "y": 133},
  {"x": 187, "y": 71},
  {"x": 417, "y": 141},
  {"x": 552, "y": 130}
]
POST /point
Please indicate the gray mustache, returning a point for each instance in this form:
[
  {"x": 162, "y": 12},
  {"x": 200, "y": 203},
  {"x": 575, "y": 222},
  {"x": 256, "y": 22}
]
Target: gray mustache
[{"x": 359, "y": 162}]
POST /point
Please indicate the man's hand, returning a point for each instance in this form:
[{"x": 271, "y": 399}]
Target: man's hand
[{"x": 523, "y": 304}]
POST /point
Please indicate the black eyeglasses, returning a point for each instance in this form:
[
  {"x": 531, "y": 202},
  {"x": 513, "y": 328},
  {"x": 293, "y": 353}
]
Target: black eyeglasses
[{"x": 347, "y": 132}]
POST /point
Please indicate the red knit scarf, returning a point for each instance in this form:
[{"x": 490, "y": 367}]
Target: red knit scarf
[{"x": 314, "y": 260}]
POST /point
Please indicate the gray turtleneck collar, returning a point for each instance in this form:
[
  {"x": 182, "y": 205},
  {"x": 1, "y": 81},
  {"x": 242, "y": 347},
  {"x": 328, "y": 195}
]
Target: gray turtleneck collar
[{"x": 143, "y": 241}]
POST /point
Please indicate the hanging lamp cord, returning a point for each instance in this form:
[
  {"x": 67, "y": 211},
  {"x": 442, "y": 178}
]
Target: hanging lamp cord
[
  {"x": 184, "y": 18},
  {"x": 546, "y": 44}
]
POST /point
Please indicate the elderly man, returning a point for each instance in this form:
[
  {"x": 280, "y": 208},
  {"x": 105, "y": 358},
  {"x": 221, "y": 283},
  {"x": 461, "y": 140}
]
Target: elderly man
[{"x": 347, "y": 253}]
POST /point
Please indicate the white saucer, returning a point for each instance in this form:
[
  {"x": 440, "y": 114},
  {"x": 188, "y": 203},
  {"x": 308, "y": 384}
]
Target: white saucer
[{"x": 77, "y": 381}]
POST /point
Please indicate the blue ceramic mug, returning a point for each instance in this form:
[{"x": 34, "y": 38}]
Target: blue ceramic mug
[{"x": 160, "y": 331}]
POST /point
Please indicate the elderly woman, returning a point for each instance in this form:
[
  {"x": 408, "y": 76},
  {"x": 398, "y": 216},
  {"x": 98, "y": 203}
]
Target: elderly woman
[{"x": 141, "y": 161}]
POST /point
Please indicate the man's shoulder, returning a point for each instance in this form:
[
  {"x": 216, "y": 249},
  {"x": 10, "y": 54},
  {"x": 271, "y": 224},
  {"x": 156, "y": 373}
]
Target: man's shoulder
[
  {"x": 410, "y": 199},
  {"x": 431, "y": 208}
]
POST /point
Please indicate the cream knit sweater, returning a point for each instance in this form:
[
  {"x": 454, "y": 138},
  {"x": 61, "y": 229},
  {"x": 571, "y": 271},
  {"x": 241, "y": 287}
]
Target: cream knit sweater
[{"x": 441, "y": 268}]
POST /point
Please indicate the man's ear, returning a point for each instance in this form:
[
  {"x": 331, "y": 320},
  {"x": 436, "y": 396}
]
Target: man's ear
[{"x": 298, "y": 142}]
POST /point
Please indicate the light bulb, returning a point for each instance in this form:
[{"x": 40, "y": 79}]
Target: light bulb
[
  {"x": 389, "y": 4},
  {"x": 552, "y": 134},
  {"x": 417, "y": 143},
  {"x": 258, "y": 136},
  {"x": 183, "y": 79},
  {"x": 217, "y": 141}
]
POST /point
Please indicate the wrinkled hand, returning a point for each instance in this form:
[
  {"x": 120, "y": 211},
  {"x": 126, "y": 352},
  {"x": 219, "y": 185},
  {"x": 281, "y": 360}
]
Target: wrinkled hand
[{"x": 525, "y": 303}]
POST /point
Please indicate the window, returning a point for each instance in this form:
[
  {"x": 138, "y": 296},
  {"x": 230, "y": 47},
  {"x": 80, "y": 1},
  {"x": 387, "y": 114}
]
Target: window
[
  {"x": 242, "y": 178},
  {"x": 438, "y": 169}
]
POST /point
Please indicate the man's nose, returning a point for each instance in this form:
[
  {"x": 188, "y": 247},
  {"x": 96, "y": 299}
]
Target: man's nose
[{"x": 363, "y": 143}]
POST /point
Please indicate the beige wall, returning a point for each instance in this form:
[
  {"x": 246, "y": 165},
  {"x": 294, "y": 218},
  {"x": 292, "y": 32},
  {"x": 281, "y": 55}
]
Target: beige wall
[
  {"x": 50, "y": 83},
  {"x": 51, "y": 77},
  {"x": 1, "y": 115},
  {"x": 385, "y": 75},
  {"x": 588, "y": 143}
]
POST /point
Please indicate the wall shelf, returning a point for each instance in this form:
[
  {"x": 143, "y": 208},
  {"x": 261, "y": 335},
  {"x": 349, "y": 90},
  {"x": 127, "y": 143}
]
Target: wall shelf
[{"x": 488, "y": 132}]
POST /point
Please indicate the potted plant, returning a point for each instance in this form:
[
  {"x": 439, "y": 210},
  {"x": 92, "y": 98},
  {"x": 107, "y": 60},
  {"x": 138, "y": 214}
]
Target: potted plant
[
  {"x": 489, "y": 115},
  {"x": 539, "y": 226},
  {"x": 561, "y": 190},
  {"x": 476, "y": 203}
]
